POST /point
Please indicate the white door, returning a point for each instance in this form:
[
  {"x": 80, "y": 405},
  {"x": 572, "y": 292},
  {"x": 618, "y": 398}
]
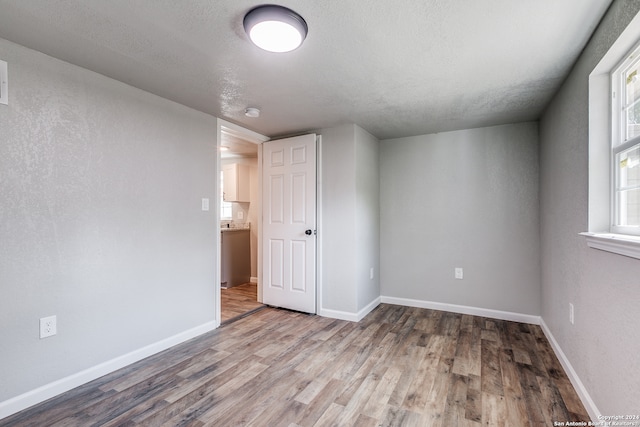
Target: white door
[{"x": 289, "y": 223}]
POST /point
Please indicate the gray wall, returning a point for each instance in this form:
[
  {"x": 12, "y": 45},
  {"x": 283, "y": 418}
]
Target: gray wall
[
  {"x": 462, "y": 199},
  {"x": 100, "y": 220},
  {"x": 367, "y": 217},
  {"x": 350, "y": 219},
  {"x": 338, "y": 221},
  {"x": 603, "y": 345}
]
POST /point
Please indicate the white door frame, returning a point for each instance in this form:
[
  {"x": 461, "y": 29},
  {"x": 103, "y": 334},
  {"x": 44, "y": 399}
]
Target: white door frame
[
  {"x": 256, "y": 138},
  {"x": 319, "y": 223}
]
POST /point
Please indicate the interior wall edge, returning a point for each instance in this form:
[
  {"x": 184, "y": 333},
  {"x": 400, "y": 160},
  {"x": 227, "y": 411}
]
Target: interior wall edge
[
  {"x": 586, "y": 399},
  {"x": 349, "y": 316}
]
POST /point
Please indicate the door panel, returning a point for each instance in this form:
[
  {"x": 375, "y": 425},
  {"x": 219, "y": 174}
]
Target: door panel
[
  {"x": 289, "y": 192},
  {"x": 298, "y": 196},
  {"x": 298, "y": 256},
  {"x": 276, "y": 263},
  {"x": 276, "y": 199}
]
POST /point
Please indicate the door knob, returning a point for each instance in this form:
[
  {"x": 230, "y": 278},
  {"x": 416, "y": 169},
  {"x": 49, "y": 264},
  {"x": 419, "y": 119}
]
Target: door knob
[{"x": 308, "y": 232}]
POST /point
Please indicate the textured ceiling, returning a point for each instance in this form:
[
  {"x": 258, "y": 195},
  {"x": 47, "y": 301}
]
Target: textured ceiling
[{"x": 396, "y": 68}]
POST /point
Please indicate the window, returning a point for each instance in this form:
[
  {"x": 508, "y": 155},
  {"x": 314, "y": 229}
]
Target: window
[
  {"x": 614, "y": 147},
  {"x": 226, "y": 208},
  {"x": 625, "y": 147}
]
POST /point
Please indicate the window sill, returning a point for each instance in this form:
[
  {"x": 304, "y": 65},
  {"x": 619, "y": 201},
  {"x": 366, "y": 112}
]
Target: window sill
[{"x": 617, "y": 243}]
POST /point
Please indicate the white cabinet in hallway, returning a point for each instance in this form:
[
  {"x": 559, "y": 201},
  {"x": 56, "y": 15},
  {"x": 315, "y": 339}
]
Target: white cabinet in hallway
[{"x": 236, "y": 179}]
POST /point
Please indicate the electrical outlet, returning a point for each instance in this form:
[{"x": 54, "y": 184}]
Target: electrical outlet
[
  {"x": 571, "y": 314},
  {"x": 459, "y": 273},
  {"x": 4, "y": 83},
  {"x": 240, "y": 215},
  {"x": 371, "y": 273},
  {"x": 48, "y": 326},
  {"x": 205, "y": 204}
]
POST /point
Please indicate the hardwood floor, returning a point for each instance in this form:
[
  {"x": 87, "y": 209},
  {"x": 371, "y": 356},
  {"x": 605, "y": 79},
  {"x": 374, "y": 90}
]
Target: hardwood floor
[
  {"x": 238, "y": 300},
  {"x": 399, "y": 366}
]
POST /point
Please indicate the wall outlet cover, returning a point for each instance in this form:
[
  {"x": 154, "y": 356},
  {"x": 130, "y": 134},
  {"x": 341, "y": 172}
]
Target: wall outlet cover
[
  {"x": 571, "y": 314},
  {"x": 48, "y": 326},
  {"x": 4, "y": 83}
]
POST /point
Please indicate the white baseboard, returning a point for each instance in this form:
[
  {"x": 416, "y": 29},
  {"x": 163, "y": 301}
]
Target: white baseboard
[
  {"x": 349, "y": 316},
  {"x": 369, "y": 308},
  {"x": 47, "y": 391},
  {"x": 463, "y": 309},
  {"x": 335, "y": 314},
  {"x": 33, "y": 397},
  {"x": 515, "y": 317},
  {"x": 253, "y": 280},
  {"x": 588, "y": 403}
]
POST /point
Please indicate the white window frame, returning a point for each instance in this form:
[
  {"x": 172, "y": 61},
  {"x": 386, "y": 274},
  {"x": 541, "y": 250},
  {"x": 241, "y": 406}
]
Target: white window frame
[
  {"x": 619, "y": 141},
  {"x": 602, "y": 234}
]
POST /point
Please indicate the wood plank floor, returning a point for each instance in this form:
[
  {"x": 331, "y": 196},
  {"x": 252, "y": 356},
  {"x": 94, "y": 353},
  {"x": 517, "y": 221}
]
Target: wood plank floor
[
  {"x": 399, "y": 366},
  {"x": 238, "y": 300}
]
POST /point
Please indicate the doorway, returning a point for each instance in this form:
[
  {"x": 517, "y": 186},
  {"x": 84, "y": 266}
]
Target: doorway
[
  {"x": 282, "y": 214},
  {"x": 239, "y": 201}
]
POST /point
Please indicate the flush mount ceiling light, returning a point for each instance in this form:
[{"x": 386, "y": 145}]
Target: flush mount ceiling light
[{"x": 275, "y": 28}]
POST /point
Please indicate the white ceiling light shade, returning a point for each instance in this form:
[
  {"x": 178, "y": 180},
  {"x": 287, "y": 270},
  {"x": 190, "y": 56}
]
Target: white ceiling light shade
[{"x": 275, "y": 28}]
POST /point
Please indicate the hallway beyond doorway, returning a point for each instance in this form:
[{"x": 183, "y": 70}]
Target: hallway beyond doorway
[{"x": 238, "y": 300}]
